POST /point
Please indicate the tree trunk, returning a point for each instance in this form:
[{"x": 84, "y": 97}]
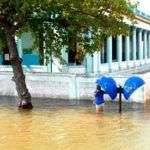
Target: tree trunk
[{"x": 19, "y": 77}]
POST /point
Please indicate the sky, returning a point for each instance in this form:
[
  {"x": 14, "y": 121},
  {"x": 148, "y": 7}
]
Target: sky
[{"x": 145, "y": 6}]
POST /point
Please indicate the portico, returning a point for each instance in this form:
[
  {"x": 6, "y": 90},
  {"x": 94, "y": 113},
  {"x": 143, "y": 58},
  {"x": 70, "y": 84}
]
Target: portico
[
  {"x": 120, "y": 52},
  {"x": 131, "y": 50}
]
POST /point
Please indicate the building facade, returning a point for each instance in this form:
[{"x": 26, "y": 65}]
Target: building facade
[
  {"x": 124, "y": 52},
  {"x": 119, "y": 53}
]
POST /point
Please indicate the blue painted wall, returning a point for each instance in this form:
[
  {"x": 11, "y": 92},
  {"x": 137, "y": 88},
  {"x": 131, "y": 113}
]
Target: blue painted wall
[
  {"x": 30, "y": 59},
  {"x": 1, "y": 59}
]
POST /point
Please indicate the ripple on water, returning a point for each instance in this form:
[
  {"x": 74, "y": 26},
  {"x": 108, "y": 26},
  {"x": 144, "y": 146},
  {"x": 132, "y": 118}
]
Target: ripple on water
[{"x": 73, "y": 126}]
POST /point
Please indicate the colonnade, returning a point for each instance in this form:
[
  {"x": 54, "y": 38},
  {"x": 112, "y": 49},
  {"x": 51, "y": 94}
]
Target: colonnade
[
  {"x": 136, "y": 48},
  {"x": 130, "y": 51}
]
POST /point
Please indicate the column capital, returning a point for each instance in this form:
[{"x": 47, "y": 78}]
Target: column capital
[
  {"x": 134, "y": 28},
  {"x": 140, "y": 29},
  {"x": 120, "y": 35},
  {"x": 145, "y": 31}
]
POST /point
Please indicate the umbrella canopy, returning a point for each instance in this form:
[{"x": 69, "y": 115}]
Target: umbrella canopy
[
  {"x": 109, "y": 86},
  {"x": 132, "y": 84}
]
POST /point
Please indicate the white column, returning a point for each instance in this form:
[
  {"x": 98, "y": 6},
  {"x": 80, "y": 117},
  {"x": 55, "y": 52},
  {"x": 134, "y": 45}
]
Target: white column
[
  {"x": 148, "y": 45},
  {"x": 140, "y": 45},
  {"x": 50, "y": 64},
  {"x": 64, "y": 56},
  {"x": 127, "y": 49},
  {"x": 100, "y": 63},
  {"x": 89, "y": 64},
  {"x": 102, "y": 54},
  {"x": 19, "y": 46},
  {"x": 20, "y": 52},
  {"x": 96, "y": 62},
  {"x": 145, "y": 45},
  {"x": 119, "y": 50},
  {"x": 109, "y": 53},
  {"x": 134, "y": 44}
]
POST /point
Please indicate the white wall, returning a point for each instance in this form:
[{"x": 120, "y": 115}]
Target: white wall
[{"x": 65, "y": 86}]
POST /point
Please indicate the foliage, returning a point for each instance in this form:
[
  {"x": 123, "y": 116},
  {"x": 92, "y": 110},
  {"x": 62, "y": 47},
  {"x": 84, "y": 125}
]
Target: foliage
[
  {"x": 2, "y": 40},
  {"x": 27, "y": 51},
  {"x": 86, "y": 22}
]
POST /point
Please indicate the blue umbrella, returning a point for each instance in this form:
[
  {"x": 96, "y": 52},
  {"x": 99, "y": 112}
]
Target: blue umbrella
[
  {"x": 109, "y": 86},
  {"x": 131, "y": 85}
]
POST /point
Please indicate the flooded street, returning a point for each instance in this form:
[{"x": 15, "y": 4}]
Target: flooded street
[{"x": 64, "y": 125}]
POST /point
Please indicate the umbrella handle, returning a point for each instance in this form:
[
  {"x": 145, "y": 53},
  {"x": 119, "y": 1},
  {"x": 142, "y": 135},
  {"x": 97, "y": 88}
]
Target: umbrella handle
[
  {"x": 120, "y": 91},
  {"x": 120, "y": 102}
]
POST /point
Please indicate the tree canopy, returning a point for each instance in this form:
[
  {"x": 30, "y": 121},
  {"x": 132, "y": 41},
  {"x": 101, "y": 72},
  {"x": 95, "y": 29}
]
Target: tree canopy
[
  {"x": 80, "y": 25},
  {"x": 58, "y": 23}
]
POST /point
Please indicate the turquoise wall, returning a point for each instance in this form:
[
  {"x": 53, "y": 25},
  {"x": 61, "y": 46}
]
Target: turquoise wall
[
  {"x": 30, "y": 59},
  {"x": 1, "y": 59}
]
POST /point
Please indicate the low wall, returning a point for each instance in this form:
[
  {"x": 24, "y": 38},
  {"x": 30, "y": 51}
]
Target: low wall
[{"x": 66, "y": 86}]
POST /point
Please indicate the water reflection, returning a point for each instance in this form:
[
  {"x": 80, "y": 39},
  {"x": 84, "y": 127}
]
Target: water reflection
[{"x": 60, "y": 125}]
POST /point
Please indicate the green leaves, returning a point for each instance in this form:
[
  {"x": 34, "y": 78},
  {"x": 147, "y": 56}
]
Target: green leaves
[{"x": 61, "y": 20}]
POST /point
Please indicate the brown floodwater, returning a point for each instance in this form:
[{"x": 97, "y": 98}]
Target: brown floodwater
[{"x": 70, "y": 125}]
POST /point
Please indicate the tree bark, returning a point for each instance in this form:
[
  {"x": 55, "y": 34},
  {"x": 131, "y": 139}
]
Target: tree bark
[{"x": 19, "y": 77}]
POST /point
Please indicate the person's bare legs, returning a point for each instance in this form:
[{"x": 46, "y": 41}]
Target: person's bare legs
[{"x": 99, "y": 108}]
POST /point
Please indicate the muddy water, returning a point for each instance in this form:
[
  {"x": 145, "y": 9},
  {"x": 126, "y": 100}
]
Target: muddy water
[{"x": 63, "y": 125}]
